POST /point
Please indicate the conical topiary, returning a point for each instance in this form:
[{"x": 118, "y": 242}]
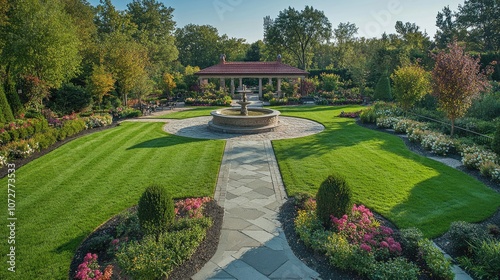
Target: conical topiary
[
  {"x": 5, "y": 107},
  {"x": 13, "y": 97},
  {"x": 333, "y": 199},
  {"x": 155, "y": 210},
  {"x": 383, "y": 88}
]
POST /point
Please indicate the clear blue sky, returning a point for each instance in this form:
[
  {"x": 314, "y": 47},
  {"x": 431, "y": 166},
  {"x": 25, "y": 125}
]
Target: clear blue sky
[{"x": 244, "y": 18}]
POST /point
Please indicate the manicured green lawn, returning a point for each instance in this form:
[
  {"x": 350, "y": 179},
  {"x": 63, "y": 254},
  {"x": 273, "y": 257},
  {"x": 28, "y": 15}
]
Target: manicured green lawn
[
  {"x": 64, "y": 195},
  {"x": 191, "y": 113},
  {"x": 408, "y": 189}
]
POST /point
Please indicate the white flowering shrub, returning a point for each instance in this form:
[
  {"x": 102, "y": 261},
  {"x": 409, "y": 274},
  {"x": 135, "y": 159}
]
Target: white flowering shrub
[
  {"x": 415, "y": 135},
  {"x": 21, "y": 148},
  {"x": 473, "y": 156},
  {"x": 495, "y": 174},
  {"x": 407, "y": 126},
  {"x": 3, "y": 161},
  {"x": 387, "y": 122},
  {"x": 438, "y": 143},
  {"x": 97, "y": 121}
]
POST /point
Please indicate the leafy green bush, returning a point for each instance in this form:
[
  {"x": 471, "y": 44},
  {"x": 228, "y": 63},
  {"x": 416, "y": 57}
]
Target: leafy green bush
[
  {"x": 394, "y": 269},
  {"x": 485, "y": 263},
  {"x": 409, "y": 239},
  {"x": 99, "y": 243},
  {"x": 70, "y": 128},
  {"x": 333, "y": 198},
  {"x": 495, "y": 145},
  {"x": 70, "y": 98},
  {"x": 438, "y": 266},
  {"x": 310, "y": 230},
  {"x": 155, "y": 258},
  {"x": 487, "y": 107},
  {"x": 465, "y": 235},
  {"x": 155, "y": 210},
  {"x": 267, "y": 96},
  {"x": 46, "y": 139}
]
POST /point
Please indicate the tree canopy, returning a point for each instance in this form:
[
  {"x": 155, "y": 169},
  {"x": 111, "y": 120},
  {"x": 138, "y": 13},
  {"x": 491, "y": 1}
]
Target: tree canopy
[
  {"x": 297, "y": 33},
  {"x": 457, "y": 80}
]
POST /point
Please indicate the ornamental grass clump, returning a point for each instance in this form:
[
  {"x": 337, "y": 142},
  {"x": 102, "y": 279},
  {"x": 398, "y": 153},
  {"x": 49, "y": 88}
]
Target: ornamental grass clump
[
  {"x": 333, "y": 199},
  {"x": 155, "y": 210}
]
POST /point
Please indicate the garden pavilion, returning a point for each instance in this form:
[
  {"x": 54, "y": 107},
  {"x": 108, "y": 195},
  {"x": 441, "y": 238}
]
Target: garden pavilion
[{"x": 252, "y": 69}]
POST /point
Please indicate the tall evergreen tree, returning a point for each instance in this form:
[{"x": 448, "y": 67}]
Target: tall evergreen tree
[{"x": 383, "y": 88}]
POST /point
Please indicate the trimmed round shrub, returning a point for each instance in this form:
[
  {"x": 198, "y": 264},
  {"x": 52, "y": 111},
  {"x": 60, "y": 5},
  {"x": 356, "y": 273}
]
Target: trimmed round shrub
[
  {"x": 409, "y": 239},
  {"x": 155, "y": 210},
  {"x": 464, "y": 236},
  {"x": 333, "y": 199}
]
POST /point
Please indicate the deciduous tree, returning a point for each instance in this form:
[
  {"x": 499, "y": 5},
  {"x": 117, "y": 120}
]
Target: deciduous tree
[
  {"x": 41, "y": 42},
  {"x": 411, "y": 84},
  {"x": 198, "y": 45},
  {"x": 457, "y": 80},
  {"x": 100, "y": 82},
  {"x": 297, "y": 32}
]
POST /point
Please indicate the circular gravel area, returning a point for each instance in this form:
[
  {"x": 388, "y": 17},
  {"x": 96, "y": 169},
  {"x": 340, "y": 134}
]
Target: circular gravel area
[{"x": 198, "y": 128}]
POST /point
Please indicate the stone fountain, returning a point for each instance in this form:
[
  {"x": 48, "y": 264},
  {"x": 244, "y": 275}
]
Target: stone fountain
[{"x": 244, "y": 120}]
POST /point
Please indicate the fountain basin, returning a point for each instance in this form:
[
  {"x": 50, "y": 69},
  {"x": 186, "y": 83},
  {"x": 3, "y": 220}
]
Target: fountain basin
[{"x": 230, "y": 120}]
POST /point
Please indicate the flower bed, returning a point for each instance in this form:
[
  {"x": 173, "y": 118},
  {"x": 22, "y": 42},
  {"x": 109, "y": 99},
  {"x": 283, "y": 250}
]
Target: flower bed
[
  {"x": 25, "y": 137},
  {"x": 132, "y": 253},
  {"x": 358, "y": 242}
]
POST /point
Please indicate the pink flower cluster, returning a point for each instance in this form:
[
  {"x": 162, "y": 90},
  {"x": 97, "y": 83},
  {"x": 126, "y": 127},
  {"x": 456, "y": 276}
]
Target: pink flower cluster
[
  {"x": 191, "y": 207},
  {"x": 362, "y": 229},
  {"x": 90, "y": 270}
]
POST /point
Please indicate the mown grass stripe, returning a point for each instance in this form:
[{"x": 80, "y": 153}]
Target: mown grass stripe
[{"x": 65, "y": 194}]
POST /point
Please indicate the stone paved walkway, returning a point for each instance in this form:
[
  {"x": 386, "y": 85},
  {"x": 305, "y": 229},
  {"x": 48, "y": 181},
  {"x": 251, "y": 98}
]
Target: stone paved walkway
[{"x": 252, "y": 244}]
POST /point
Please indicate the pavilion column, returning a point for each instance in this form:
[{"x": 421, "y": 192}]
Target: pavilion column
[
  {"x": 260, "y": 87},
  {"x": 279, "y": 87},
  {"x": 241, "y": 84},
  {"x": 222, "y": 84},
  {"x": 232, "y": 86}
]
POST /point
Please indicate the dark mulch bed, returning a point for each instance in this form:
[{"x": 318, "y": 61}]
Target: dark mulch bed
[
  {"x": 20, "y": 162},
  {"x": 202, "y": 255}
]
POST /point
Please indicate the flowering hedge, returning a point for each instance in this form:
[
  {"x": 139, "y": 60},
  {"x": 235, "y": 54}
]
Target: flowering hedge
[
  {"x": 407, "y": 126},
  {"x": 474, "y": 156},
  {"x": 24, "y": 137},
  {"x": 436, "y": 142},
  {"x": 387, "y": 122}
]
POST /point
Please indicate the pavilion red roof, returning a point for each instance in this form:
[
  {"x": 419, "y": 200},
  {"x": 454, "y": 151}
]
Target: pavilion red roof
[{"x": 274, "y": 68}]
